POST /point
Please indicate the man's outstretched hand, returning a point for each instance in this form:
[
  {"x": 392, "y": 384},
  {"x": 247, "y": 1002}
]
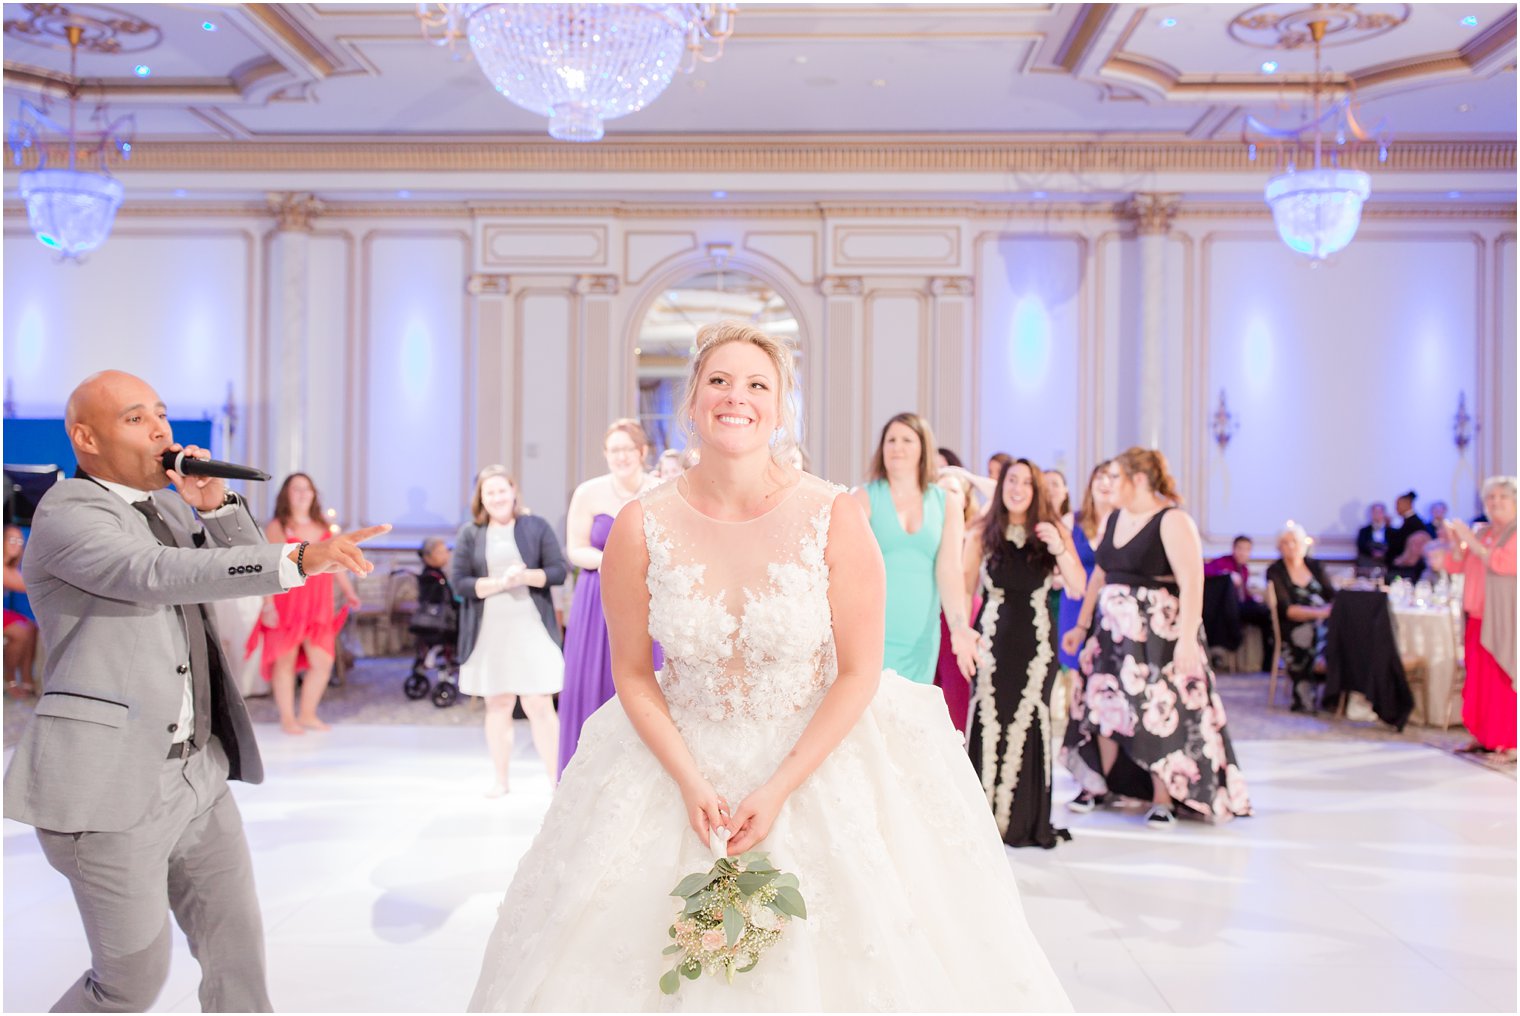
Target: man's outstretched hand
[{"x": 341, "y": 553}]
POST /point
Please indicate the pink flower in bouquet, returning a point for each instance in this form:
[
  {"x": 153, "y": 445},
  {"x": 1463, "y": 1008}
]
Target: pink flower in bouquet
[
  {"x": 714, "y": 939},
  {"x": 1108, "y": 707},
  {"x": 1160, "y": 709},
  {"x": 1121, "y": 614}
]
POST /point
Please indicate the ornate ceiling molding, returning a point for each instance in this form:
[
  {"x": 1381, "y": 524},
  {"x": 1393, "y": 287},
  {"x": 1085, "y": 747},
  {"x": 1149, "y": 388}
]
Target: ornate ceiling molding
[{"x": 690, "y": 154}]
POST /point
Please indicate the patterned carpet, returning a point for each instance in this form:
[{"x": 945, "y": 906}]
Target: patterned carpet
[{"x": 373, "y": 695}]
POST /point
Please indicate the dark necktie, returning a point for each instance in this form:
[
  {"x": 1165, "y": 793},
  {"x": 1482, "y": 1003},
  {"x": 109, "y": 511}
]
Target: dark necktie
[{"x": 195, "y": 634}]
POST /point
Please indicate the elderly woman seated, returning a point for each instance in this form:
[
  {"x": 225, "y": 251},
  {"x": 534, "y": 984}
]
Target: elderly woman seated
[{"x": 1303, "y": 592}]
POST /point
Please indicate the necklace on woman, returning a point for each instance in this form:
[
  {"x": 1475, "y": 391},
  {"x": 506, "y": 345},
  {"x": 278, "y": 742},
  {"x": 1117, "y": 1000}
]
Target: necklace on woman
[
  {"x": 1015, "y": 534},
  {"x": 618, "y": 491}
]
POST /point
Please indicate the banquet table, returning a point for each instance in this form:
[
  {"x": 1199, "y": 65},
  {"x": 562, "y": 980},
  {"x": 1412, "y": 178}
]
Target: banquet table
[{"x": 1430, "y": 633}]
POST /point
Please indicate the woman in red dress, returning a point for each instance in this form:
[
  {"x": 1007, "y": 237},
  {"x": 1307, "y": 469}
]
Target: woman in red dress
[
  {"x": 299, "y": 627},
  {"x": 1486, "y": 559}
]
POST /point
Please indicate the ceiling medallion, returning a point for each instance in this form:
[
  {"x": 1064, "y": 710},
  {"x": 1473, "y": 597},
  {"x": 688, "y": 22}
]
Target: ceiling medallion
[
  {"x": 101, "y": 29},
  {"x": 1287, "y": 26},
  {"x": 1317, "y": 210},
  {"x": 581, "y": 64}
]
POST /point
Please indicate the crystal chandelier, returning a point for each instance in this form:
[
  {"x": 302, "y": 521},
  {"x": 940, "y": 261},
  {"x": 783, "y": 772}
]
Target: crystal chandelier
[
  {"x": 70, "y": 210},
  {"x": 1317, "y": 211},
  {"x": 582, "y": 64}
]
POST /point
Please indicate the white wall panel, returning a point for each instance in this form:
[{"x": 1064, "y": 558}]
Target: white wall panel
[
  {"x": 174, "y": 308},
  {"x": 896, "y": 323},
  {"x": 330, "y": 319},
  {"x": 1029, "y": 316},
  {"x": 545, "y": 325},
  {"x": 416, "y": 389},
  {"x": 1344, "y": 377},
  {"x": 1502, "y": 417}
]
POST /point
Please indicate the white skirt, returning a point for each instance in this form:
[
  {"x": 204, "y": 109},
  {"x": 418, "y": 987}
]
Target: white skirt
[{"x": 514, "y": 655}]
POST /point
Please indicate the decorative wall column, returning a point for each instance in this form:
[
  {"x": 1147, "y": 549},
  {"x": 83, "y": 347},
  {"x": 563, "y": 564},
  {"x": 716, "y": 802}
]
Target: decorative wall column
[
  {"x": 496, "y": 369},
  {"x": 290, "y": 331},
  {"x": 1152, "y": 214},
  {"x": 843, "y": 404},
  {"x": 951, "y": 403},
  {"x": 598, "y": 368}
]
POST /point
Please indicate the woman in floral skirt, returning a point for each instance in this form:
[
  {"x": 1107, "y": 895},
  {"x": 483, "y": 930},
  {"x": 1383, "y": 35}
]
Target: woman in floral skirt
[{"x": 1147, "y": 705}]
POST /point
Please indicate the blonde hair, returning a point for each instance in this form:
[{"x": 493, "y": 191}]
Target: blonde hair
[
  {"x": 1298, "y": 532},
  {"x": 1504, "y": 484},
  {"x": 721, "y": 333},
  {"x": 477, "y": 504}
]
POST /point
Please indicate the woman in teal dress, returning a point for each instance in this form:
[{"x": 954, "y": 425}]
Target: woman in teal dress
[{"x": 919, "y": 526}]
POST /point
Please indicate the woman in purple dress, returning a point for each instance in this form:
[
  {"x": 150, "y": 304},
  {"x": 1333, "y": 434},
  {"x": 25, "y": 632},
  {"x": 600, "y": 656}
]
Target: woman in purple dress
[{"x": 593, "y": 506}]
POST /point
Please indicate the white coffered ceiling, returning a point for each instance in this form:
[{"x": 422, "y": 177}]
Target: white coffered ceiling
[{"x": 338, "y": 74}]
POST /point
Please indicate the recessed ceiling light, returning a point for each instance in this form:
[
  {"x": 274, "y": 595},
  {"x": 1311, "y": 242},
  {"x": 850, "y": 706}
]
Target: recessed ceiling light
[
  {"x": 880, "y": 83},
  {"x": 403, "y": 194},
  {"x": 1453, "y": 193},
  {"x": 1466, "y": 107},
  {"x": 1168, "y": 22},
  {"x": 1039, "y": 194},
  {"x": 208, "y": 26},
  {"x": 799, "y": 58},
  {"x": 1471, "y": 21},
  {"x": 1269, "y": 67},
  {"x": 180, "y": 192},
  {"x": 720, "y": 194},
  {"x": 142, "y": 70}
]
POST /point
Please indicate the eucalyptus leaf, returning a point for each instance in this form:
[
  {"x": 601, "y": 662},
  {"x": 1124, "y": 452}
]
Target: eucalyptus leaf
[
  {"x": 670, "y": 982},
  {"x": 790, "y": 901},
  {"x": 691, "y": 970},
  {"x": 753, "y": 881},
  {"x": 787, "y": 881},
  {"x": 692, "y": 884},
  {"x": 671, "y": 950},
  {"x": 697, "y": 902},
  {"x": 752, "y": 964},
  {"x": 733, "y": 924},
  {"x": 672, "y": 931}
]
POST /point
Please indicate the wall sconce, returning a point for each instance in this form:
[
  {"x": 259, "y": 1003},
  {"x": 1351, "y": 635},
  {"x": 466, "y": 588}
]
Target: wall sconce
[
  {"x": 1462, "y": 424},
  {"x": 1223, "y": 423}
]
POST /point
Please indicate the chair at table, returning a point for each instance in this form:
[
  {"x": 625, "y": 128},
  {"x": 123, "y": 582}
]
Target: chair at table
[{"x": 1276, "y": 664}]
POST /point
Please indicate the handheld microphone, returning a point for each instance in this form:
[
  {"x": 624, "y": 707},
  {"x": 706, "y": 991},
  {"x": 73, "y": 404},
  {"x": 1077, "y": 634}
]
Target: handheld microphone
[{"x": 210, "y": 467}]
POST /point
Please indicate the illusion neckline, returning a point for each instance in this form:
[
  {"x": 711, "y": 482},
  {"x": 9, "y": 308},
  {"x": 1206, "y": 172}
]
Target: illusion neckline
[{"x": 735, "y": 522}]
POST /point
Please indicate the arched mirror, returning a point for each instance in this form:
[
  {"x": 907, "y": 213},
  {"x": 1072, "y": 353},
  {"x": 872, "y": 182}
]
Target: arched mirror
[{"x": 668, "y": 337}]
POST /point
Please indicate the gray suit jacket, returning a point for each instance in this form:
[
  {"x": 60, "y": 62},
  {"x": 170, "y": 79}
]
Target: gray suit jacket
[
  {"x": 107, "y": 595},
  {"x": 538, "y": 547}
]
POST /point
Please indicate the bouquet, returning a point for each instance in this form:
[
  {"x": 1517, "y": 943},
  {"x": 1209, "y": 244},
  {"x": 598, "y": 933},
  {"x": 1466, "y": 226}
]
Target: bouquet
[{"x": 731, "y": 915}]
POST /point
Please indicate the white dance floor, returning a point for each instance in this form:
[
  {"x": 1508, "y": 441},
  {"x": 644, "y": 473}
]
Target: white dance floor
[{"x": 1374, "y": 876}]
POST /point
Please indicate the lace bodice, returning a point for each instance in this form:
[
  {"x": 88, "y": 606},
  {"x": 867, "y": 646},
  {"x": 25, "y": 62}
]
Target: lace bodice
[{"x": 741, "y": 608}]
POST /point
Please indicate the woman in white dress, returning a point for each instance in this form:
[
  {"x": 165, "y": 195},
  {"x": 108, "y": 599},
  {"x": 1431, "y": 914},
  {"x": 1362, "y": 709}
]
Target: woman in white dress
[
  {"x": 505, "y": 561},
  {"x": 773, "y": 720}
]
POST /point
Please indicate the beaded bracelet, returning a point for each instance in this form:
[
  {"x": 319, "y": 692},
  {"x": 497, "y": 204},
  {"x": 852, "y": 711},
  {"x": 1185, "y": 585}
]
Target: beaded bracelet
[{"x": 301, "y": 560}]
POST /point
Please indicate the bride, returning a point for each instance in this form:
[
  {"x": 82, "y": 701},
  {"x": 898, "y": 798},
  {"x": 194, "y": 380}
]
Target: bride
[{"x": 765, "y": 587}]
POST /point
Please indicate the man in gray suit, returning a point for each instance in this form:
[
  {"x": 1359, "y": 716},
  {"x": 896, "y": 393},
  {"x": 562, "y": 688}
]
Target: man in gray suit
[{"x": 124, "y": 768}]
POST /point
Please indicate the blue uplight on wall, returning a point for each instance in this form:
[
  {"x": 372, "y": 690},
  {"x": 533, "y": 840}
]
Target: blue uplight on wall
[
  {"x": 417, "y": 358},
  {"x": 1029, "y": 344},
  {"x": 1471, "y": 21},
  {"x": 1258, "y": 355},
  {"x": 142, "y": 70}
]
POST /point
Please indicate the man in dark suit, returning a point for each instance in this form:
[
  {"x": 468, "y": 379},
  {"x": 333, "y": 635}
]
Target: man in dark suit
[
  {"x": 1406, "y": 544},
  {"x": 124, "y": 768},
  {"x": 1372, "y": 540}
]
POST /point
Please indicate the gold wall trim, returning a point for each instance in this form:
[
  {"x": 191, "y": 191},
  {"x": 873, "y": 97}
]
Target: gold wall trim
[{"x": 688, "y": 154}]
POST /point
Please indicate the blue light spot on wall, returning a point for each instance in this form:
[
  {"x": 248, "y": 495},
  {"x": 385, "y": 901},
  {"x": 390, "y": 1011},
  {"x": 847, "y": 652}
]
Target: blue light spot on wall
[
  {"x": 416, "y": 359},
  {"x": 1029, "y": 346},
  {"x": 31, "y": 340},
  {"x": 1258, "y": 355}
]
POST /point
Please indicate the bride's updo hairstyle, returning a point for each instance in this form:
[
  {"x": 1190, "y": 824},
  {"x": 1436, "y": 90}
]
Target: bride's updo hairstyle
[
  {"x": 721, "y": 333},
  {"x": 1152, "y": 464}
]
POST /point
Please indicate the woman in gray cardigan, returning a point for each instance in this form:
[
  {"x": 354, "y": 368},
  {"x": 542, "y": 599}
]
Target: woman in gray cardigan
[{"x": 509, "y": 642}]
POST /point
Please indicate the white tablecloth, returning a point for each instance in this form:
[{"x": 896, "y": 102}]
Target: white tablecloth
[{"x": 1432, "y": 634}]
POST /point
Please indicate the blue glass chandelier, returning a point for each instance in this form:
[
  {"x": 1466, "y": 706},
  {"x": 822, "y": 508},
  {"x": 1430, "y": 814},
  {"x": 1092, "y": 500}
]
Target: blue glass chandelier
[
  {"x": 70, "y": 210},
  {"x": 582, "y": 64}
]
